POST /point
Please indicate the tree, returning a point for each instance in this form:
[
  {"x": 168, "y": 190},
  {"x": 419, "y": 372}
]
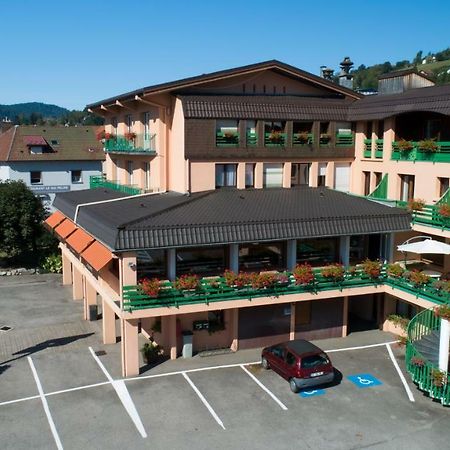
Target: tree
[
  {"x": 21, "y": 216},
  {"x": 418, "y": 59}
]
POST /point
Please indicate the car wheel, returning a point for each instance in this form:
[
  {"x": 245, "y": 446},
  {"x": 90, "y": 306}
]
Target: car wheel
[
  {"x": 293, "y": 386},
  {"x": 265, "y": 363}
]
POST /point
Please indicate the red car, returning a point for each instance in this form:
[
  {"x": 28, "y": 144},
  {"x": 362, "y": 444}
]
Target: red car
[{"x": 300, "y": 362}]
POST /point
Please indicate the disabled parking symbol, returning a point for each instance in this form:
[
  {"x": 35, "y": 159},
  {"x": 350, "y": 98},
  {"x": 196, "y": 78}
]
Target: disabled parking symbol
[
  {"x": 364, "y": 380},
  {"x": 311, "y": 393}
]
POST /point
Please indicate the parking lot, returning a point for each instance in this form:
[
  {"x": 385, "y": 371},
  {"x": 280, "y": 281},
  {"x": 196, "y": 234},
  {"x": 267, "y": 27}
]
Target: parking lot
[{"x": 75, "y": 398}]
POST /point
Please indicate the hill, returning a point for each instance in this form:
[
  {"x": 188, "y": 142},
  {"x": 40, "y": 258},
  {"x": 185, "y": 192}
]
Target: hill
[{"x": 26, "y": 109}]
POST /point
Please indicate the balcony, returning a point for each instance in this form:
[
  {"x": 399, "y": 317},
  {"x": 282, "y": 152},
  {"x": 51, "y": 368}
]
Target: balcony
[
  {"x": 344, "y": 140},
  {"x": 302, "y": 139},
  {"x": 131, "y": 144},
  {"x": 367, "y": 148},
  {"x": 428, "y": 215},
  {"x": 227, "y": 139},
  {"x": 416, "y": 151},
  {"x": 218, "y": 289},
  {"x": 252, "y": 139},
  {"x": 274, "y": 139},
  {"x": 102, "y": 182},
  {"x": 379, "y": 148}
]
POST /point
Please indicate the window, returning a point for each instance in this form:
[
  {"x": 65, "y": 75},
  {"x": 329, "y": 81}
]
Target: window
[
  {"x": 54, "y": 142},
  {"x": 146, "y": 120},
  {"x": 277, "y": 351},
  {"x": 77, "y": 176},
  {"x": 274, "y": 133},
  {"x": 114, "y": 124},
  {"x": 406, "y": 187},
  {"x": 252, "y": 138},
  {"x": 227, "y": 132},
  {"x": 309, "y": 362},
  {"x": 249, "y": 175},
  {"x": 225, "y": 175},
  {"x": 273, "y": 175},
  {"x": 129, "y": 122},
  {"x": 130, "y": 172},
  {"x": 366, "y": 176},
  {"x": 151, "y": 263},
  {"x": 35, "y": 177},
  {"x": 300, "y": 174},
  {"x": 318, "y": 252},
  {"x": 146, "y": 169},
  {"x": 369, "y": 130},
  {"x": 261, "y": 256},
  {"x": 290, "y": 359},
  {"x": 321, "y": 177},
  {"x": 443, "y": 186},
  {"x": 342, "y": 177},
  {"x": 216, "y": 320},
  {"x": 380, "y": 129},
  {"x": 378, "y": 178},
  {"x": 36, "y": 149},
  {"x": 203, "y": 261},
  {"x": 302, "y": 133}
]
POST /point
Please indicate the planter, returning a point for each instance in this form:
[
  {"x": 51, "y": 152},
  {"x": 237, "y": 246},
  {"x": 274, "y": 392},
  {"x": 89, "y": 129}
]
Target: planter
[{"x": 390, "y": 327}]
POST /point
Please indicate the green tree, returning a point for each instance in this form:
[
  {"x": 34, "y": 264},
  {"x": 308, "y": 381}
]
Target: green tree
[{"x": 21, "y": 216}]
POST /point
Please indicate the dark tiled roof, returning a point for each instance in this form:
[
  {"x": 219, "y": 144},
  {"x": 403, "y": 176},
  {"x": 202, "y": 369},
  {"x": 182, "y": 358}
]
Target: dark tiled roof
[
  {"x": 64, "y": 144},
  {"x": 374, "y": 107},
  {"x": 227, "y": 216},
  {"x": 186, "y": 82},
  {"x": 264, "y": 107}
]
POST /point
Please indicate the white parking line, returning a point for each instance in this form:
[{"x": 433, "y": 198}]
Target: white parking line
[
  {"x": 124, "y": 396},
  {"x": 400, "y": 374},
  {"x": 360, "y": 347},
  {"x": 45, "y": 405},
  {"x": 203, "y": 399},
  {"x": 264, "y": 388}
]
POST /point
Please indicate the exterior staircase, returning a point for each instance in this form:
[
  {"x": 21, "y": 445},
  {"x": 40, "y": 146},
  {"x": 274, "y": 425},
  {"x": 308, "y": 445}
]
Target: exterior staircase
[{"x": 428, "y": 347}]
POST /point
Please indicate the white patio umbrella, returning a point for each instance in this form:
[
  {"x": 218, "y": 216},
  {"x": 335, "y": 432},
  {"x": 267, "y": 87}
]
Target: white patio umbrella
[{"x": 428, "y": 245}]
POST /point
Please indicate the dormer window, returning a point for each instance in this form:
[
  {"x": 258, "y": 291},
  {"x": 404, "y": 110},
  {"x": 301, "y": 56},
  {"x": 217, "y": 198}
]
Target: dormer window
[
  {"x": 36, "y": 149},
  {"x": 36, "y": 144},
  {"x": 54, "y": 142}
]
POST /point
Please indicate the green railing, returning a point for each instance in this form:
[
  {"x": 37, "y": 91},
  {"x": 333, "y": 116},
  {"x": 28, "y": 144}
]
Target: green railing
[
  {"x": 367, "y": 148},
  {"x": 215, "y": 289},
  {"x": 442, "y": 153},
  {"x": 380, "y": 191},
  {"x": 102, "y": 182},
  {"x": 299, "y": 139},
  {"x": 420, "y": 369},
  {"x": 429, "y": 215},
  {"x": 227, "y": 139},
  {"x": 140, "y": 143},
  {"x": 344, "y": 140},
  {"x": 379, "y": 148},
  {"x": 252, "y": 139},
  {"x": 274, "y": 139}
]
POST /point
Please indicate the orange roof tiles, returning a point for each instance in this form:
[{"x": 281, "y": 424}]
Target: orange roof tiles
[
  {"x": 97, "y": 256},
  {"x": 79, "y": 240},
  {"x": 65, "y": 228},
  {"x": 55, "y": 219}
]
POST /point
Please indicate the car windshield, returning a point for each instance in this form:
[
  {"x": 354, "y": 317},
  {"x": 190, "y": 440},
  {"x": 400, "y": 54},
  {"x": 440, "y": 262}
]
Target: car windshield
[{"x": 309, "y": 362}]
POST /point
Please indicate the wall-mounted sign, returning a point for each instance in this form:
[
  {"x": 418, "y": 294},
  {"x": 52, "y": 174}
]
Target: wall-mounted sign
[
  {"x": 51, "y": 189},
  {"x": 200, "y": 325}
]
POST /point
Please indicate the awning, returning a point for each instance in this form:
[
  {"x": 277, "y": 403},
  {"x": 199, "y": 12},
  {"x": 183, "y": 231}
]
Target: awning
[
  {"x": 55, "y": 219},
  {"x": 65, "y": 228},
  {"x": 97, "y": 256},
  {"x": 79, "y": 240}
]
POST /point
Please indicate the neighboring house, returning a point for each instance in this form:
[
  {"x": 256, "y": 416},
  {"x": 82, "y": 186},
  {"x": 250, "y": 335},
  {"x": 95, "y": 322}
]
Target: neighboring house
[
  {"x": 50, "y": 159},
  {"x": 250, "y": 170}
]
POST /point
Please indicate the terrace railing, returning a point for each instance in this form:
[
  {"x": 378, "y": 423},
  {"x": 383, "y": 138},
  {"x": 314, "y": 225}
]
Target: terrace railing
[
  {"x": 274, "y": 139},
  {"x": 429, "y": 215},
  {"x": 415, "y": 153},
  {"x": 379, "y": 148},
  {"x": 299, "y": 139},
  {"x": 137, "y": 144},
  {"x": 101, "y": 182},
  {"x": 227, "y": 139},
  {"x": 252, "y": 139},
  {"x": 344, "y": 140}
]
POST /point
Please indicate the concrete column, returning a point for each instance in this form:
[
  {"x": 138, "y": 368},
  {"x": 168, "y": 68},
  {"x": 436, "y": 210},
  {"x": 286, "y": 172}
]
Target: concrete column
[
  {"x": 359, "y": 140},
  {"x": 108, "y": 324},
  {"x": 313, "y": 174},
  {"x": 292, "y": 328},
  {"x": 259, "y": 175},
  {"x": 389, "y": 247},
  {"x": 233, "y": 255},
  {"x": 291, "y": 253},
  {"x": 77, "y": 287},
  {"x": 66, "y": 270},
  {"x": 234, "y": 329},
  {"x": 329, "y": 178},
  {"x": 444, "y": 341},
  {"x": 169, "y": 329},
  {"x": 90, "y": 298},
  {"x": 130, "y": 347},
  {"x": 287, "y": 169},
  {"x": 344, "y": 250},
  {"x": 388, "y": 138},
  {"x": 345, "y": 316},
  {"x": 241, "y": 176},
  {"x": 171, "y": 262}
]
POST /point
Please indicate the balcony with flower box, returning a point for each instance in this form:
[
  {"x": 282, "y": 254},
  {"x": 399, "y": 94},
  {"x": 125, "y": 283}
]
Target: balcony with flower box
[
  {"x": 227, "y": 139},
  {"x": 130, "y": 144},
  {"x": 426, "y": 150},
  {"x": 344, "y": 140},
  {"x": 302, "y": 139},
  {"x": 274, "y": 139}
]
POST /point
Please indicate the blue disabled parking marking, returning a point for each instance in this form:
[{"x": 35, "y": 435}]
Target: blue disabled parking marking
[
  {"x": 364, "y": 380},
  {"x": 311, "y": 393}
]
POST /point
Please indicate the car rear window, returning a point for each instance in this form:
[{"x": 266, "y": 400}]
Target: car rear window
[{"x": 308, "y": 362}]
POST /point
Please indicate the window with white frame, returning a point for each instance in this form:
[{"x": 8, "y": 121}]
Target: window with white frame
[
  {"x": 273, "y": 175},
  {"x": 77, "y": 176},
  {"x": 226, "y": 175},
  {"x": 35, "y": 177}
]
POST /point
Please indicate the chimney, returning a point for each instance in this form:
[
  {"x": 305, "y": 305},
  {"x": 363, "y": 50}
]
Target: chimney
[
  {"x": 326, "y": 73},
  {"x": 345, "y": 77},
  {"x": 5, "y": 125}
]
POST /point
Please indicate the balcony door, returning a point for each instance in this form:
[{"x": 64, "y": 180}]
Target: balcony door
[
  {"x": 300, "y": 174},
  {"x": 406, "y": 187}
]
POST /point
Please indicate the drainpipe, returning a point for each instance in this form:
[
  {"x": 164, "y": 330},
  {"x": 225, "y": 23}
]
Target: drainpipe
[{"x": 444, "y": 345}]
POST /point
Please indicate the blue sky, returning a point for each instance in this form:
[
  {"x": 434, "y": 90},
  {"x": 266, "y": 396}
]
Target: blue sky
[{"x": 76, "y": 52}]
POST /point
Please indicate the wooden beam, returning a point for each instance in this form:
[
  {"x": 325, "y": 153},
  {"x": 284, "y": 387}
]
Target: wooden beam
[{"x": 140, "y": 99}]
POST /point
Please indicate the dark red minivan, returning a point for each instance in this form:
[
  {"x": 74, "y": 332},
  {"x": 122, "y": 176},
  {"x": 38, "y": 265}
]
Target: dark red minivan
[{"x": 300, "y": 362}]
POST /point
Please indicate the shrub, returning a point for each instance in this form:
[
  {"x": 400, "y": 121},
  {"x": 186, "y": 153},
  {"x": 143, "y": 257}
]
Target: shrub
[
  {"x": 395, "y": 270},
  {"x": 418, "y": 278},
  {"x": 275, "y": 136},
  {"x": 427, "y": 145},
  {"x": 352, "y": 271},
  {"x": 418, "y": 362},
  {"x": 238, "y": 280},
  {"x": 372, "y": 268},
  {"x": 303, "y": 274},
  {"x": 230, "y": 135},
  {"x": 303, "y": 137},
  {"x": 52, "y": 264},
  {"x": 150, "y": 286},
  {"x": 444, "y": 210},
  {"x": 442, "y": 286},
  {"x": 404, "y": 145},
  {"x": 263, "y": 280},
  {"x": 439, "y": 378},
  {"x": 109, "y": 136},
  {"x": 416, "y": 204},
  {"x": 130, "y": 135},
  {"x": 442, "y": 311},
  {"x": 283, "y": 278},
  {"x": 398, "y": 321},
  {"x": 187, "y": 282},
  {"x": 334, "y": 271},
  {"x": 151, "y": 351}
]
